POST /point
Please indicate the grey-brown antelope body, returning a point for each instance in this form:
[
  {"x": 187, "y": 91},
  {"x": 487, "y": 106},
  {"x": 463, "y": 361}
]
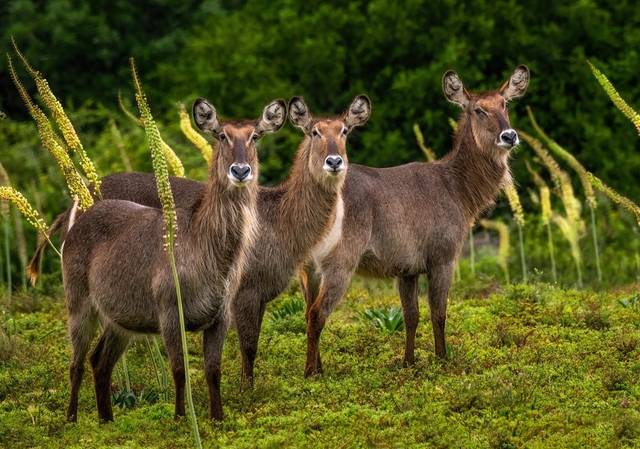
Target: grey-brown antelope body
[
  {"x": 294, "y": 217},
  {"x": 412, "y": 219},
  {"x": 117, "y": 273}
]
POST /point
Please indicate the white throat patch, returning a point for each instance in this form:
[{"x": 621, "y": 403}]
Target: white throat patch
[{"x": 334, "y": 235}]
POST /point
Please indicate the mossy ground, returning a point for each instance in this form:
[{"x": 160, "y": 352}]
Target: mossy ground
[{"x": 529, "y": 365}]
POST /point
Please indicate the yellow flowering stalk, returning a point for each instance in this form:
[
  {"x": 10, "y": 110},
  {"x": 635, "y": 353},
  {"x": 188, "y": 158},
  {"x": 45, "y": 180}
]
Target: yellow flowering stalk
[
  {"x": 586, "y": 185},
  {"x": 567, "y": 157},
  {"x": 503, "y": 246},
  {"x": 561, "y": 180},
  {"x": 77, "y": 188},
  {"x": 170, "y": 156},
  {"x": 4, "y": 182},
  {"x": 65, "y": 125},
  {"x": 518, "y": 215},
  {"x": 11, "y": 194},
  {"x": 428, "y": 152},
  {"x": 615, "y": 196},
  {"x": 171, "y": 226},
  {"x": 545, "y": 206},
  {"x": 514, "y": 203},
  {"x": 195, "y": 137},
  {"x": 570, "y": 233},
  {"x": 615, "y": 97},
  {"x": 117, "y": 139}
]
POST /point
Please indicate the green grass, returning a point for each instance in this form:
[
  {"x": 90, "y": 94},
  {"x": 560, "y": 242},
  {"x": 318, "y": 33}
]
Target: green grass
[{"x": 529, "y": 366}]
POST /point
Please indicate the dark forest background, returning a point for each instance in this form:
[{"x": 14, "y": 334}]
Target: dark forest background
[{"x": 242, "y": 54}]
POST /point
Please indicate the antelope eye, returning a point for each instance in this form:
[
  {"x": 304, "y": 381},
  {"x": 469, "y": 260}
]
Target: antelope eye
[
  {"x": 255, "y": 137},
  {"x": 315, "y": 133},
  {"x": 222, "y": 137},
  {"x": 345, "y": 131},
  {"x": 480, "y": 112}
]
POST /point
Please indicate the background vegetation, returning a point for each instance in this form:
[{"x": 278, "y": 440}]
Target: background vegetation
[
  {"x": 241, "y": 54},
  {"x": 529, "y": 365}
]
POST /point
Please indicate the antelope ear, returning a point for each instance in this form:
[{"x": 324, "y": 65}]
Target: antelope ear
[
  {"x": 454, "y": 90},
  {"x": 273, "y": 117},
  {"x": 358, "y": 112},
  {"x": 204, "y": 114},
  {"x": 516, "y": 85},
  {"x": 299, "y": 114}
]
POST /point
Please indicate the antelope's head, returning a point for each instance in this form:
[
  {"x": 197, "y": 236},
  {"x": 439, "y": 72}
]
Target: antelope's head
[
  {"x": 236, "y": 156},
  {"x": 488, "y": 111},
  {"x": 327, "y": 137}
]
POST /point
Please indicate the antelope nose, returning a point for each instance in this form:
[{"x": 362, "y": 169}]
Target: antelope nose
[
  {"x": 334, "y": 163},
  {"x": 509, "y": 137},
  {"x": 240, "y": 172}
]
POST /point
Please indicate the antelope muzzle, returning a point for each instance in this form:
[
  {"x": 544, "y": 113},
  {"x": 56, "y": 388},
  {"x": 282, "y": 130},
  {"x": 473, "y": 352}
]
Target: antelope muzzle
[{"x": 333, "y": 165}]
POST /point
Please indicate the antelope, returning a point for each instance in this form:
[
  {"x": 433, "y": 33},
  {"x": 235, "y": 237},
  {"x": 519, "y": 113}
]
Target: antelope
[
  {"x": 294, "y": 216},
  {"x": 116, "y": 269},
  {"x": 412, "y": 219}
]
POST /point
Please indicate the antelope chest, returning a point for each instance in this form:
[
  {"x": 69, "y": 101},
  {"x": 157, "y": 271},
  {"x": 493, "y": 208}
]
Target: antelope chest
[{"x": 334, "y": 235}]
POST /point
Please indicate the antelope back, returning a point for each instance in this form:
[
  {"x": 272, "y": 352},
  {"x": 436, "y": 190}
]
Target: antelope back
[
  {"x": 236, "y": 154},
  {"x": 326, "y": 138},
  {"x": 487, "y": 112}
]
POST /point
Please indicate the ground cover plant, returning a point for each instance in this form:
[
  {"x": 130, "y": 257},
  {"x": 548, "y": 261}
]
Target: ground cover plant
[{"x": 529, "y": 365}]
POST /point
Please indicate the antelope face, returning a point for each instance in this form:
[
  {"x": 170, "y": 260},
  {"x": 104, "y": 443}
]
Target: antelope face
[
  {"x": 236, "y": 152},
  {"x": 488, "y": 112},
  {"x": 491, "y": 122},
  {"x": 328, "y": 136}
]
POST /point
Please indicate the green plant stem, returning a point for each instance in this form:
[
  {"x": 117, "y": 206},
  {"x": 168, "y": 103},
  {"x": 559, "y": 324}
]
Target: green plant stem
[
  {"x": 472, "y": 254},
  {"x": 595, "y": 242},
  {"x": 185, "y": 354},
  {"x": 6, "y": 241},
  {"x": 554, "y": 272},
  {"x": 163, "y": 369},
  {"x": 522, "y": 258},
  {"x": 125, "y": 370},
  {"x": 579, "y": 271},
  {"x": 119, "y": 378},
  {"x": 153, "y": 360}
]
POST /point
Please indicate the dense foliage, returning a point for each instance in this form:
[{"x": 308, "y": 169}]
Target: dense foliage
[{"x": 241, "y": 54}]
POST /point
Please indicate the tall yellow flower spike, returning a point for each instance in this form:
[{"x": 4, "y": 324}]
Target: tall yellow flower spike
[
  {"x": 77, "y": 188},
  {"x": 428, "y": 152},
  {"x": 615, "y": 97},
  {"x": 503, "y": 246},
  {"x": 615, "y": 196},
  {"x": 159, "y": 162},
  {"x": 568, "y": 158},
  {"x": 65, "y": 125},
  {"x": 171, "y": 157},
  {"x": 515, "y": 204},
  {"x": 10, "y": 194},
  {"x": 196, "y": 138}
]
